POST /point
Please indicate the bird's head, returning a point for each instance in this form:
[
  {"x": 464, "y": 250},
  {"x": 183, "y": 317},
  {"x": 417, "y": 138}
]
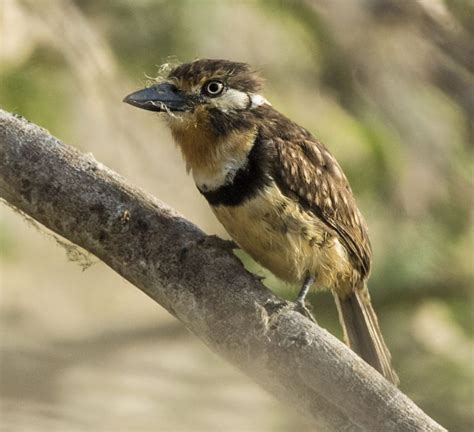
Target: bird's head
[{"x": 214, "y": 95}]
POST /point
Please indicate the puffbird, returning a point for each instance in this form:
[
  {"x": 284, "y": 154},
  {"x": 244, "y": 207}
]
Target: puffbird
[{"x": 276, "y": 189}]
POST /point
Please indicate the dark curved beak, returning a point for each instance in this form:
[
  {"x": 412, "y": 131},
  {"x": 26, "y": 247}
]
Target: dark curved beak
[{"x": 159, "y": 97}]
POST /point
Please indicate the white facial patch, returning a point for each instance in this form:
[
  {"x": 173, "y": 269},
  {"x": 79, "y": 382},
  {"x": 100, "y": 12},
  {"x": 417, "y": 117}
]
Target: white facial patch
[
  {"x": 235, "y": 100},
  {"x": 257, "y": 100},
  {"x": 232, "y": 99}
]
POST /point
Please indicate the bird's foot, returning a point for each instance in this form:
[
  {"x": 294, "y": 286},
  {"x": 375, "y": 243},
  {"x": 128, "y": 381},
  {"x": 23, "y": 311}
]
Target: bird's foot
[{"x": 300, "y": 306}]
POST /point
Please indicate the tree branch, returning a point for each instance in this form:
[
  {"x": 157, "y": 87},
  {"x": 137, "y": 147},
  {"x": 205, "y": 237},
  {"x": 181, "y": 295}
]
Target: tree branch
[{"x": 199, "y": 281}]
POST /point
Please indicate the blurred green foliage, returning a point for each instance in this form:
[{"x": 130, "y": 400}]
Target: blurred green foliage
[
  {"x": 37, "y": 89},
  {"x": 387, "y": 85}
]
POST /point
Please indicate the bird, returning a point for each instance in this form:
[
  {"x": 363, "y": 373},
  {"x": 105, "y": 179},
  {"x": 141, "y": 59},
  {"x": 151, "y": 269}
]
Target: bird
[{"x": 277, "y": 190}]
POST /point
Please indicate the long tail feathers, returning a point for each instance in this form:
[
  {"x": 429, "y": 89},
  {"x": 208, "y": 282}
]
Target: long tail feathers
[{"x": 362, "y": 332}]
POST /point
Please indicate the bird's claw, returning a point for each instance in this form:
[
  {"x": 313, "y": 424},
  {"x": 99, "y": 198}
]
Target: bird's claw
[{"x": 300, "y": 306}]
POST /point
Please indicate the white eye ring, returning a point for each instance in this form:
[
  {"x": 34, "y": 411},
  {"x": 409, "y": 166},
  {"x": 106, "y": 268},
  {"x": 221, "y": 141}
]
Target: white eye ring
[{"x": 213, "y": 88}]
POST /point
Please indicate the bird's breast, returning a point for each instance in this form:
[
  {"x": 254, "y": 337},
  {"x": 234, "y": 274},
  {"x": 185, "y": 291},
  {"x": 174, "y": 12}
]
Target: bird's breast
[{"x": 287, "y": 240}]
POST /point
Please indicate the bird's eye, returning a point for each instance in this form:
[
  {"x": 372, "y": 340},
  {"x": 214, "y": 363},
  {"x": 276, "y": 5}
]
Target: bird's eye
[{"x": 213, "y": 88}]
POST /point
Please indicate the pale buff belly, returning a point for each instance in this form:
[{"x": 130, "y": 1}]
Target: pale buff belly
[{"x": 289, "y": 242}]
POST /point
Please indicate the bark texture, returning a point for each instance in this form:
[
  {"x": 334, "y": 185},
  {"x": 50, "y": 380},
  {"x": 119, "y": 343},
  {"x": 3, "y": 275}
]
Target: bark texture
[{"x": 198, "y": 279}]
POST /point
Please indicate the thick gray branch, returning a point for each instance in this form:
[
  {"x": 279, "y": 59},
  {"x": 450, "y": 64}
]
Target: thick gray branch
[{"x": 198, "y": 280}]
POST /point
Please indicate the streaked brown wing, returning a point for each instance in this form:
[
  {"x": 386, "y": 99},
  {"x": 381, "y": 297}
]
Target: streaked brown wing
[{"x": 312, "y": 175}]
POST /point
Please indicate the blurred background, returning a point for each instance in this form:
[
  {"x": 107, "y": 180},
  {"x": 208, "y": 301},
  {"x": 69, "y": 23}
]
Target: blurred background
[{"x": 387, "y": 85}]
